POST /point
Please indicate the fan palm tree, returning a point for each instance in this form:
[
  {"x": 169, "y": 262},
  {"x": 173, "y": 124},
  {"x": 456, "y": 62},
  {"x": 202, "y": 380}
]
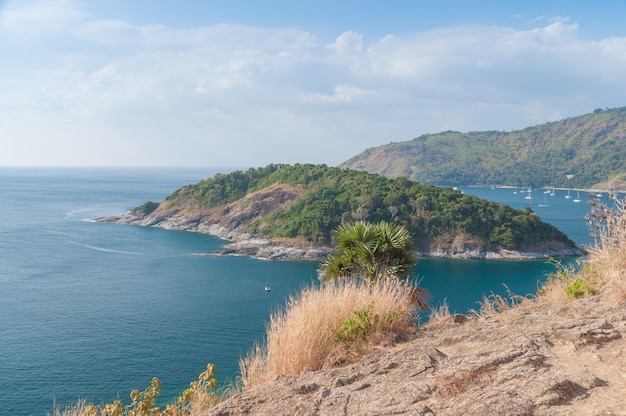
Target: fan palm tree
[{"x": 371, "y": 252}]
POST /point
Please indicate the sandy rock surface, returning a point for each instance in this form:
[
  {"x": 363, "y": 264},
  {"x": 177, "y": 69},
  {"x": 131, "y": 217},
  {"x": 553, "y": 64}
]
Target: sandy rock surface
[{"x": 536, "y": 359}]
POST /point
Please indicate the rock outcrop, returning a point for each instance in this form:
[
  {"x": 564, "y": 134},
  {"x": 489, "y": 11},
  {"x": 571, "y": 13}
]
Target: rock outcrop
[
  {"x": 228, "y": 223},
  {"x": 535, "y": 359}
]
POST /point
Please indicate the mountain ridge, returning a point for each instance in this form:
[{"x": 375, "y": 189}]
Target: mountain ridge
[{"x": 577, "y": 152}]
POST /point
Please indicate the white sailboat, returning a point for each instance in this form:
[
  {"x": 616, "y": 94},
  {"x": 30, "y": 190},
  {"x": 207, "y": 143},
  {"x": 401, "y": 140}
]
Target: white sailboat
[
  {"x": 568, "y": 196},
  {"x": 529, "y": 196},
  {"x": 577, "y": 197}
]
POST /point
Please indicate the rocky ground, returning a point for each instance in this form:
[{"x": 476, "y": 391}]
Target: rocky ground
[{"x": 535, "y": 359}]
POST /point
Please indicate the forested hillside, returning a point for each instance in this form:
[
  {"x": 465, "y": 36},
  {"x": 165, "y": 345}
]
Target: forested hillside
[
  {"x": 578, "y": 152},
  {"x": 307, "y": 202}
]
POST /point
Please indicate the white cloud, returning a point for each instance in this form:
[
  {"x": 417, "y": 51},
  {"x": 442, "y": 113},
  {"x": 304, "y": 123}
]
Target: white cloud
[
  {"x": 501, "y": 74},
  {"x": 114, "y": 33},
  {"x": 232, "y": 94},
  {"x": 459, "y": 49},
  {"x": 348, "y": 42},
  {"x": 39, "y": 18},
  {"x": 341, "y": 94}
]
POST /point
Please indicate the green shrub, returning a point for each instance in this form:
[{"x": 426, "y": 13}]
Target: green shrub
[
  {"x": 580, "y": 287},
  {"x": 357, "y": 328},
  {"x": 198, "y": 397},
  {"x": 146, "y": 209}
]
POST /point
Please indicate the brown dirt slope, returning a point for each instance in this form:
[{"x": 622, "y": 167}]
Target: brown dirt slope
[{"x": 536, "y": 359}]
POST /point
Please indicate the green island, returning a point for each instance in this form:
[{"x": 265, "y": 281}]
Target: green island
[{"x": 302, "y": 204}]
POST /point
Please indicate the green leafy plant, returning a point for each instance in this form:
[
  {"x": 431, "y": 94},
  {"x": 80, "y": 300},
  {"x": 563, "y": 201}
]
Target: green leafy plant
[
  {"x": 575, "y": 279},
  {"x": 198, "y": 397},
  {"x": 357, "y": 328},
  {"x": 371, "y": 252},
  {"x": 580, "y": 287},
  {"x": 146, "y": 208},
  {"x": 364, "y": 323}
]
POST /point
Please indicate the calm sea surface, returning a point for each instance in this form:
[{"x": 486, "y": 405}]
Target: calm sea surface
[{"x": 95, "y": 310}]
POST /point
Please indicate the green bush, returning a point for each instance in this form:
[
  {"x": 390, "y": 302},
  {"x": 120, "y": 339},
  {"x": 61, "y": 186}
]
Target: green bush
[
  {"x": 357, "y": 328},
  {"x": 147, "y": 208},
  {"x": 579, "y": 288},
  {"x": 198, "y": 397}
]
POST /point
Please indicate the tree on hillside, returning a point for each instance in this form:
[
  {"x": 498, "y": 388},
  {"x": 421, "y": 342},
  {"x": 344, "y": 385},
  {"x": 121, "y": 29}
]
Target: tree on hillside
[{"x": 371, "y": 252}]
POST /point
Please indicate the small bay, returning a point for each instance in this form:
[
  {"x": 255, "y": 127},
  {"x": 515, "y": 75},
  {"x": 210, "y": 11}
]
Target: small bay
[{"x": 94, "y": 310}]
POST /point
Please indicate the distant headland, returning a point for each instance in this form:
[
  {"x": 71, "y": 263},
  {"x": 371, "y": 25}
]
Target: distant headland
[{"x": 289, "y": 212}]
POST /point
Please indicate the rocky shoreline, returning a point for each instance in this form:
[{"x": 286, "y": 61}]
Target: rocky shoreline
[{"x": 245, "y": 244}]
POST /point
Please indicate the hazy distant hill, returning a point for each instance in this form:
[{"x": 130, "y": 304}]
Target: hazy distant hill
[{"x": 591, "y": 147}]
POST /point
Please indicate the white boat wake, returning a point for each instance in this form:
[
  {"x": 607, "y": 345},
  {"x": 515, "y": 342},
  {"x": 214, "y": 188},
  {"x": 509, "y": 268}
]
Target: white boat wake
[{"x": 105, "y": 250}]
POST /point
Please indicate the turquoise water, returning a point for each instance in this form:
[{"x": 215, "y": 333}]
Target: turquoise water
[{"x": 94, "y": 310}]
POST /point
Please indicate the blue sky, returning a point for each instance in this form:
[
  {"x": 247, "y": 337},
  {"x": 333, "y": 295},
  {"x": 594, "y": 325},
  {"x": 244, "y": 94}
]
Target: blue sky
[{"x": 247, "y": 83}]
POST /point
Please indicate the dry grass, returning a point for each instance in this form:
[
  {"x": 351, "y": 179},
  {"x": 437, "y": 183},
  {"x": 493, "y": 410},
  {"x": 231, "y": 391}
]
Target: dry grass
[
  {"x": 495, "y": 304},
  {"x": 451, "y": 386},
  {"x": 604, "y": 269},
  {"x": 439, "y": 316},
  {"x": 553, "y": 290},
  {"x": 607, "y": 258},
  {"x": 78, "y": 409},
  {"x": 196, "y": 399},
  {"x": 335, "y": 323}
]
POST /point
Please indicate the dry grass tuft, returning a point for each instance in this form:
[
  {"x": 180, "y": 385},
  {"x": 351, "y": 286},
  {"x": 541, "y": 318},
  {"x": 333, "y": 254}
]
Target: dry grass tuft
[
  {"x": 439, "y": 316},
  {"x": 553, "y": 290},
  {"x": 451, "y": 386},
  {"x": 194, "y": 400},
  {"x": 496, "y": 304},
  {"x": 321, "y": 327},
  {"x": 607, "y": 258},
  {"x": 78, "y": 409},
  {"x": 604, "y": 269}
]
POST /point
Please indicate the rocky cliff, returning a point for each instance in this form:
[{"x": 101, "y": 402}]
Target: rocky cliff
[
  {"x": 538, "y": 358},
  {"x": 228, "y": 222}
]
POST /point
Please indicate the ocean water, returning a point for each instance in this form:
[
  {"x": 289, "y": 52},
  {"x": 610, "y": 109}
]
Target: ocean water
[{"x": 94, "y": 310}]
